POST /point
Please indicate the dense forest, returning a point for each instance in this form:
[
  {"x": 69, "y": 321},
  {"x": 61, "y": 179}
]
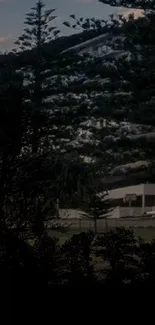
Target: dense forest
[{"x": 68, "y": 118}]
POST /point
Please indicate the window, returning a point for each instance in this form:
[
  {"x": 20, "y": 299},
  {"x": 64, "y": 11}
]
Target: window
[
  {"x": 149, "y": 200},
  {"x": 120, "y": 202}
]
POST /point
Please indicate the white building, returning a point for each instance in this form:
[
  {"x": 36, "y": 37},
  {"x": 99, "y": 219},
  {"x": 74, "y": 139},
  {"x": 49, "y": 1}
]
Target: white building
[
  {"x": 143, "y": 196},
  {"x": 122, "y": 206}
]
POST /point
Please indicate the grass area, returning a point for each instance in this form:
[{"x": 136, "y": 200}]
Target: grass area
[{"x": 147, "y": 233}]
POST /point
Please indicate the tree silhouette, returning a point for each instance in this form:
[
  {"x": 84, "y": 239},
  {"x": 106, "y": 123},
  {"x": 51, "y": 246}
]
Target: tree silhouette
[
  {"x": 118, "y": 248},
  {"x": 140, "y": 4},
  {"x": 77, "y": 257},
  {"x": 37, "y": 33}
]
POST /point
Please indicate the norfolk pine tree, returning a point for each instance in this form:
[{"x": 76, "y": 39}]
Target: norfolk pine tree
[
  {"x": 37, "y": 33},
  {"x": 34, "y": 70}
]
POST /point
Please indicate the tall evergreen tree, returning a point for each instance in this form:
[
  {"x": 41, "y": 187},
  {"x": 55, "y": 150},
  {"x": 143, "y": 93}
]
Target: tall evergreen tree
[
  {"x": 13, "y": 128},
  {"x": 76, "y": 102},
  {"x": 37, "y": 33},
  {"x": 46, "y": 93}
]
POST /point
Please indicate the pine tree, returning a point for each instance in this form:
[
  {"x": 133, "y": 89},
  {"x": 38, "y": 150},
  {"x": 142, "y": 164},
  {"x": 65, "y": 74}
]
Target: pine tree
[
  {"x": 75, "y": 107},
  {"x": 13, "y": 128},
  {"x": 37, "y": 33},
  {"x": 43, "y": 96}
]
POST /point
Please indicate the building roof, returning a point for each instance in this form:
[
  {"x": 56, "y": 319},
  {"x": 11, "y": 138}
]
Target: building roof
[
  {"x": 91, "y": 42},
  {"x": 120, "y": 193}
]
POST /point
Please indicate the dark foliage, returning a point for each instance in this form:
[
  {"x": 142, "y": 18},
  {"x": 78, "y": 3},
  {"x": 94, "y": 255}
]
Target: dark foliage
[
  {"x": 34, "y": 176},
  {"x": 47, "y": 264},
  {"x": 141, "y": 4}
]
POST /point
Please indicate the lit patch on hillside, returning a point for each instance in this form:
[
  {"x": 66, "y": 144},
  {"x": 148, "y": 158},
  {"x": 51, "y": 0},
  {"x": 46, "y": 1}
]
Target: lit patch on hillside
[{"x": 137, "y": 12}]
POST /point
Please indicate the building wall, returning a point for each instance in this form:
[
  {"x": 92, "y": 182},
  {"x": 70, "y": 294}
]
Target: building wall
[
  {"x": 120, "y": 193},
  {"x": 123, "y": 203},
  {"x": 144, "y": 203},
  {"x": 122, "y": 212},
  {"x": 133, "y": 212},
  {"x": 149, "y": 189},
  {"x": 149, "y": 201}
]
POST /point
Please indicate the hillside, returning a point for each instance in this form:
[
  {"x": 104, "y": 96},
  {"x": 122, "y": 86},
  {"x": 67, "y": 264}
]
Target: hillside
[{"x": 85, "y": 73}]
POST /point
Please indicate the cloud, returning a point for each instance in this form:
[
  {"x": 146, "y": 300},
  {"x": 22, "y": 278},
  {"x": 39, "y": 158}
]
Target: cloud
[
  {"x": 4, "y": 39},
  {"x": 137, "y": 12}
]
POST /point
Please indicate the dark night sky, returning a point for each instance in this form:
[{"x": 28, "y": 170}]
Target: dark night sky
[{"x": 12, "y": 15}]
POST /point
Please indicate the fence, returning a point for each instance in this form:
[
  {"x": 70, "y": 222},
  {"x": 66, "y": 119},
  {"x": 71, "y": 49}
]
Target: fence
[{"x": 79, "y": 225}]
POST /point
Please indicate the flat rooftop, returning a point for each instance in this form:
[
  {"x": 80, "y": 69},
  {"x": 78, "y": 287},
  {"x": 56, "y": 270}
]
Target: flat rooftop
[{"x": 119, "y": 193}]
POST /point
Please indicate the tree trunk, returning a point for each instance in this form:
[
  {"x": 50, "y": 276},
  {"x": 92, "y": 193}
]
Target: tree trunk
[{"x": 95, "y": 225}]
